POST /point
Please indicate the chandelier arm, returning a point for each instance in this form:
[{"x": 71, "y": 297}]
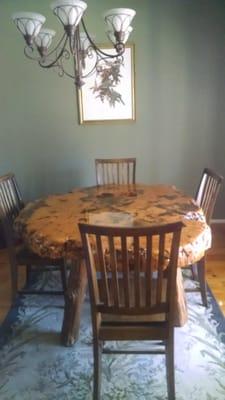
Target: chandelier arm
[
  {"x": 60, "y": 65},
  {"x": 64, "y": 72},
  {"x": 96, "y": 48},
  {"x": 53, "y": 51},
  {"x": 68, "y": 74},
  {"x": 91, "y": 71}
]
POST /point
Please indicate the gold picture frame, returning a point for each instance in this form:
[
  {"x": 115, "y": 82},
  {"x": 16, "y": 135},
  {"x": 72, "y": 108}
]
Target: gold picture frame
[{"x": 94, "y": 109}]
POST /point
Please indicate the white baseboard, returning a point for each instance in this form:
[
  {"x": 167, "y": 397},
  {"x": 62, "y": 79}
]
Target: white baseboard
[{"x": 218, "y": 221}]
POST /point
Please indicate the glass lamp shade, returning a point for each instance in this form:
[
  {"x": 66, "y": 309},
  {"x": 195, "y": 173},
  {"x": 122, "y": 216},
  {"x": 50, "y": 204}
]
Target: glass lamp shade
[
  {"x": 69, "y": 12},
  {"x": 29, "y": 24},
  {"x": 119, "y": 19},
  {"x": 44, "y": 39},
  {"x": 123, "y": 38},
  {"x": 84, "y": 41}
]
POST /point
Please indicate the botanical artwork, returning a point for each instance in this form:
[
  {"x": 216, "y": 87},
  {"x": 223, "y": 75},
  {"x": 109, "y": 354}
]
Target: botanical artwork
[
  {"x": 108, "y": 77},
  {"x": 34, "y": 365},
  {"x": 108, "y": 93}
]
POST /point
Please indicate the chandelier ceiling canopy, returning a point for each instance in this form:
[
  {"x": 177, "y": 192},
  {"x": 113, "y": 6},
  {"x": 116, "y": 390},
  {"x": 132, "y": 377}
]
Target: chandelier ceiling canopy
[{"x": 75, "y": 45}]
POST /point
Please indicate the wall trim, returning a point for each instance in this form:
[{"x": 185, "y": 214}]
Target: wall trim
[{"x": 218, "y": 221}]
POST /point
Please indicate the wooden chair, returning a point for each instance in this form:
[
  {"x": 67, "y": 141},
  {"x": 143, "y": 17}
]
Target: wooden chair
[
  {"x": 115, "y": 171},
  {"x": 206, "y": 196},
  {"x": 10, "y": 205},
  {"x": 131, "y": 301}
]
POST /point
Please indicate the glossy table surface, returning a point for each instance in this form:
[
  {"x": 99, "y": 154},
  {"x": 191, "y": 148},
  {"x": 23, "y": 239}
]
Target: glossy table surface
[{"x": 49, "y": 226}]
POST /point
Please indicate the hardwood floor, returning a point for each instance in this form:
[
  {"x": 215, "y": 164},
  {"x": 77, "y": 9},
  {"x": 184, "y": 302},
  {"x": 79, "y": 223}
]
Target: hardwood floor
[{"x": 215, "y": 267}]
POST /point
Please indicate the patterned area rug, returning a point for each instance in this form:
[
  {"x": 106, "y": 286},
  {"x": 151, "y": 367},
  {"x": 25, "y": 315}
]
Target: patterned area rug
[{"x": 34, "y": 366}]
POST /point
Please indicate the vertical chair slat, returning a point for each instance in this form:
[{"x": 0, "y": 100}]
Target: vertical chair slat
[
  {"x": 213, "y": 190},
  {"x": 118, "y": 173},
  {"x": 125, "y": 173},
  {"x": 137, "y": 271},
  {"x": 17, "y": 191},
  {"x": 113, "y": 265},
  {"x": 102, "y": 169},
  {"x": 148, "y": 270},
  {"x": 105, "y": 174},
  {"x": 108, "y": 177},
  {"x": 13, "y": 199},
  {"x": 93, "y": 260},
  {"x": 115, "y": 174},
  {"x": 111, "y": 176},
  {"x": 7, "y": 191},
  {"x": 207, "y": 194},
  {"x": 125, "y": 269},
  {"x": 4, "y": 199},
  {"x": 134, "y": 173},
  {"x": 97, "y": 172},
  {"x": 6, "y": 196},
  {"x": 208, "y": 200},
  {"x": 160, "y": 269},
  {"x": 104, "y": 280},
  {"x": 121, "y": 173},
  {"x": 128, "y": 172}
]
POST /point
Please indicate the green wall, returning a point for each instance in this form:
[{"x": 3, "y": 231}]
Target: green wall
[{"x": 180, "y": 98}]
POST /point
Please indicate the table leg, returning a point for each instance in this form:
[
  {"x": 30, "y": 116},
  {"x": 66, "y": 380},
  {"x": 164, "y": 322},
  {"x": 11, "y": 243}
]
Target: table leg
[
  {"x": 180, "y": 312},
  {"x": 73, "y": 303}
]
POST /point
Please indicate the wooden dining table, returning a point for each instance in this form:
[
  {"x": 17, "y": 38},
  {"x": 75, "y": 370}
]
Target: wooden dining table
[{"x": 49, "y": 227}]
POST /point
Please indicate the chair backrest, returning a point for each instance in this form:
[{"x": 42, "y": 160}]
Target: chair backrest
[
  {"x": 115, "y": 171},
  {"x": 127, "y": 269},
  {"x": 207, "y": 192},
  {"x": 10, "y": 204}
]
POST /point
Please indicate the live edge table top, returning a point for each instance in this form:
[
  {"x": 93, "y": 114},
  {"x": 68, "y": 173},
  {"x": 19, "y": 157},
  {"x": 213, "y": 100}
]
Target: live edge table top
[{"x": 50, "y": 226}]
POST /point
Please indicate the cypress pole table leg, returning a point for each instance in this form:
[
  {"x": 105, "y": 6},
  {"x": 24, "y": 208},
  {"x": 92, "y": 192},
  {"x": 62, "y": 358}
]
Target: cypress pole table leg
[
  {"x": 180, "y": 309},
  {"x": 77, "y": 285}
]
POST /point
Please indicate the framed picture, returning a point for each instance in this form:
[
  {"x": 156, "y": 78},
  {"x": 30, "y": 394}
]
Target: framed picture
[{"x": 109, "y": 93}]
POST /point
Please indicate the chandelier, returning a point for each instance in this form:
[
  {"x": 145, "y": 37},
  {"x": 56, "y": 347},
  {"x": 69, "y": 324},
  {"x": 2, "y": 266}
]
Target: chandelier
[{"x": 74, "y": 45}]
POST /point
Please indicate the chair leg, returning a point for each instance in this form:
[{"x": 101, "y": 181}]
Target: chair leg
[
  {"x": 170, "y": 368},
  {"x": 202, "y": 280},
  {"x": 97, "y": 352}
]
